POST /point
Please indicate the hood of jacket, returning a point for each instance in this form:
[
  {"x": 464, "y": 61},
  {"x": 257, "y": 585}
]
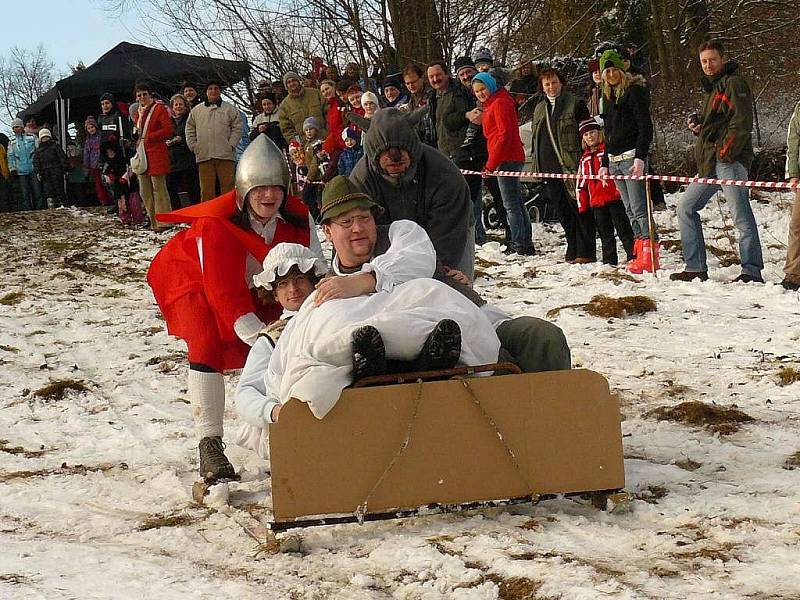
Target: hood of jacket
[
  {"x": 729, "y": 68},
  {"x": 390, "y": 128}
]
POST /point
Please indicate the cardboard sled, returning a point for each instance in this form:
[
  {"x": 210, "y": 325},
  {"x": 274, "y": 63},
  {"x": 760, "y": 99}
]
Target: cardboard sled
[{"x": 385, "y": 450}]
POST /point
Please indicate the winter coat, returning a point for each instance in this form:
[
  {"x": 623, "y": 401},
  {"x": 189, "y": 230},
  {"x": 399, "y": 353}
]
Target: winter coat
[
  {"x": 335, "y": 120},
  {"x": 432, "y": 192},
  {"x": 113, "y": 126},
  {"x": 451, "y": 124},
  {"x": 20, "y": 153},
  {"x": 220, "y": 279},
  {"x": 727, "y": 122},
  {"x": 49, "y": 157},
  {"x": 348, "y": 159},
  {"x": 592, "y": 193},
  {"x": 793, "y": 145},
  {"x": 244, "y": 141},
  {"x": 91, "y": 151},
  {"x": 273, "y": 131},
  {"x": 159, "y": 130},
  {"x": 564, "y": 118},
  {"x": 214, "y": 131},
  {"x": 180, "y": 157},
  {"x": 293, "y": 110},
  {"x": 626, "y": 121},
  {"x": 501, "y": 130}
]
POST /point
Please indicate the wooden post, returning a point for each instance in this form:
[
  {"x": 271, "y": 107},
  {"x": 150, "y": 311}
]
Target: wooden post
[{"x": 651, "y": 225}]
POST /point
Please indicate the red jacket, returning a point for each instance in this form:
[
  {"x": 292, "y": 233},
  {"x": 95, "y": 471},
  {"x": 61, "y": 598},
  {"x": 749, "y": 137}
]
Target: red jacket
[
  {"x": 159, "y": 130},
  {"x": 501, "y": 129},
  {"x": 176, "y": 271},
  {"x": 335, "y": 122},
  {"x": 591, "y": 192}
]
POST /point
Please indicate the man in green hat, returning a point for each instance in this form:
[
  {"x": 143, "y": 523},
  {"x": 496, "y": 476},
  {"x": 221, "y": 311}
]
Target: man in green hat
[{"x": 373, "y": 258}]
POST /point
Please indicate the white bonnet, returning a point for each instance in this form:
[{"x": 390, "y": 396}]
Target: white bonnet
[{"x": 283, "y": 257}]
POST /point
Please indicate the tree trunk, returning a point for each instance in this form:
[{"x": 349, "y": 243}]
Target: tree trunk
[{"x": 416, "y": 29}]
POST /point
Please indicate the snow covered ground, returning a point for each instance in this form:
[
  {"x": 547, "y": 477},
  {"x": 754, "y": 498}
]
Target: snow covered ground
[{"x": 95, "y": 484}]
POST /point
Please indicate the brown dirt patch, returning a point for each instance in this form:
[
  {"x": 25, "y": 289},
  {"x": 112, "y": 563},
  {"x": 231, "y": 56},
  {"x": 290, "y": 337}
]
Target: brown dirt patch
[
  {"x": 717, "y": 419},
  {"x": 64, "y": 469},
  {"x": 793, "y": 462},
  {"x": 652, "y": 494},
  {"x": 12, "y": 298},
  {"x": 19, "y": 450},
  {"x": 617, "y": 276},
  {"x": 687, "y": 464},
  {"x": 611, "y": 308},
  {"x": 788, "y": 375},
  {"x": 161, "y": 521},
  {"x": 58, "y": 389}
]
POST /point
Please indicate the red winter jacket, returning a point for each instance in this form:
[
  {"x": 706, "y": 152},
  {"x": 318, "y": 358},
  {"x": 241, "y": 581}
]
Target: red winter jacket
[
  {"x": 501, "y": 130},
  {"x": 335, "y": 122},
  {"x": 159, "y": 130},
  {"x": 177, "y": 271},
  {"x": 591, "y": 192}
]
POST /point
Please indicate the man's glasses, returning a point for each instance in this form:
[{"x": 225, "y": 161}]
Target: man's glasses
[{"x": 348, "y": 222}]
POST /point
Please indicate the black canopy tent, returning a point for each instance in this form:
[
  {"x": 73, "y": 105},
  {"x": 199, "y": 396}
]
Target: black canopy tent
[{"x": 117, "y": 71}]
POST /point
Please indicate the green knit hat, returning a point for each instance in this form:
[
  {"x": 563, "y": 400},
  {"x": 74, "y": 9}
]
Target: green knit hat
[
  {"x": 340, "y": 195},
  {"x": 611, "y": 58}
]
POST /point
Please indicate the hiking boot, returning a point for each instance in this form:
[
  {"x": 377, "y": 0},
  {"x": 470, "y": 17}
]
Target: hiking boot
[
  {"x": 788, "y": 284},
  {"x": 689, "y": 276},
  {"x": 214, "y": 465},
  {"x": 441, "y": 349},
  {"x": 369, "y": 353},
  {"x": 745, "y": 278}
]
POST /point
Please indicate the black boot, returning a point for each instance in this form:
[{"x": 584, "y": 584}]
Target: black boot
[
  {"x": 214, "y": 465},
  {"x": 369, "y": 353},
  {"x": 441, "y": 350}
]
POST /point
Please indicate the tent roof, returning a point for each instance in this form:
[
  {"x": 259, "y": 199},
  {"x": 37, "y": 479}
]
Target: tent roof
[{"x": 118, "y": 70}]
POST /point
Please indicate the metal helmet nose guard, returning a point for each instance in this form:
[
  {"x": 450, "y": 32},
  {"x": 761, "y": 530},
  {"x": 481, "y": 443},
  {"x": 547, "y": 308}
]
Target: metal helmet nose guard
[{"x": 262, "y": 163}]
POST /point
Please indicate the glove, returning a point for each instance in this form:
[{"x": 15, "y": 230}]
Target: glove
[
  {"x": 638, "y": 167},
  {"x": 247, "y": 328},
  {"x": 603, "y": 172}
]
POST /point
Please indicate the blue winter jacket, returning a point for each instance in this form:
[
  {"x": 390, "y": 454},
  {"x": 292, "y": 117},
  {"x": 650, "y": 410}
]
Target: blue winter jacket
[{"x": 20, "y": 153}]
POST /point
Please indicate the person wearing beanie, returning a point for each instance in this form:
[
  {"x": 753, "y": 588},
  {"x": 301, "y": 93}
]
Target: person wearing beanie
[
  {"x": 189, "y": 91},
  {"x": 50, "y": 165},
  {"x": 214, "y": 132},
  {"x": 20, "y": 162},
  {"x": 628, "y": 132},
  {"x": 299, "y": 104},
  {"x": 483, "y": 59},
  {"x": 601, "y": 199},
  {"x": 352, "y": 152},
  {"x": 505, "y": 153},
  {"x": 392, "y": 89},
  {"x": 557, "y": 149},
  {"x": 92, "y": 160},
  {"x": 113, "y": 127},
  {"x": 370, "y": 104}
]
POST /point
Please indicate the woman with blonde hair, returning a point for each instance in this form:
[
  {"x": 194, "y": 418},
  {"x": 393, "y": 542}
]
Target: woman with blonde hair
[{"x": 628, "y": 132}]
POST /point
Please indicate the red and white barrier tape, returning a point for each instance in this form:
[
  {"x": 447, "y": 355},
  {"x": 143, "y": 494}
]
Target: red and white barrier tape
[{"x": 673, "y": 178}]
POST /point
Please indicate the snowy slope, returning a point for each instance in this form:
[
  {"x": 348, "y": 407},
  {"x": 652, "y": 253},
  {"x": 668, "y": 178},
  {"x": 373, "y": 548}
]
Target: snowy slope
[{"x": 95, "y": 486}]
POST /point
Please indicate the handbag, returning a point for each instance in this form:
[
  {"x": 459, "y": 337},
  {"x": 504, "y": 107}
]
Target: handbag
[{"x": 139, "y": 160}]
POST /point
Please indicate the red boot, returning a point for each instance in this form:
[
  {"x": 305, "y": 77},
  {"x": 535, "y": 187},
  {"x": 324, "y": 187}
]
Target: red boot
[
  {"x": 637, "y": 256},
  {"x": 646, "y": 263}
]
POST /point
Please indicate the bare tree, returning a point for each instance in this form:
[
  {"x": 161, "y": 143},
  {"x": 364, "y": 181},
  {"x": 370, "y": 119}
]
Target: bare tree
[{"x": 24, "y": 76}]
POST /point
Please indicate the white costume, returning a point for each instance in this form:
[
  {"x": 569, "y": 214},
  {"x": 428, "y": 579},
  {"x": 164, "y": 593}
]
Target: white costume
[{"x": 313, "y": 359}]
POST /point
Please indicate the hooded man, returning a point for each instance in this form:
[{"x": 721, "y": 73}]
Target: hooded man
[{"x": 416, "y": 182}]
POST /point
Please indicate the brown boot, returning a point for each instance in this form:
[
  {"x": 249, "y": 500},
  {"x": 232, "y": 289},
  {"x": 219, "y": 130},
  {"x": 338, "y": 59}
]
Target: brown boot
[{"x": 689, "y": 276}]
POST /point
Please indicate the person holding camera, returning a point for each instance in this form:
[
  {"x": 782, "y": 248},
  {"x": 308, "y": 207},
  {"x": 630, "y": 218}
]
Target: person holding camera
[{"x": 724, "y": 150}]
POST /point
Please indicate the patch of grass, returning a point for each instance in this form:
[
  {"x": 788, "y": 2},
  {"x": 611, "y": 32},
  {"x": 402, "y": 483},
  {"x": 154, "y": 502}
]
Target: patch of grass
[
  {"x": 671, "y": 245},
  {"x": 793, "y": 462},
  {"x": 12, "y": 298},
  {"x": 113, "y": 293},
  {"x": 617, "y": 276},
  {"x": 161, "y": 521},
  {"x": 673, "y": 390},
  {"x": 19, "y": 450},
  {"x": 717, "y": 419},
  {"x": 166, "y": 359},
  {"x": 788, "y": 375},
  {"x": 64, "y": 469},
  {"x": 726, "y": 257},
  {"x": 607, "y": 307},
  {"x": 687, "y": 464},
  {"x": 15, "y": 579},
  {"x": 485, "y": 263},
  {"x": 5, "y": 348},
  {"x": 58, "y": 389},
  {"x": 652, "y": 494}
]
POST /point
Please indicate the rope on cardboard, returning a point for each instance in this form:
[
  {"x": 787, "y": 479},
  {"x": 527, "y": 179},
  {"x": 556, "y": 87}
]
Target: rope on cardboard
[{"x": 361, "y": 510}]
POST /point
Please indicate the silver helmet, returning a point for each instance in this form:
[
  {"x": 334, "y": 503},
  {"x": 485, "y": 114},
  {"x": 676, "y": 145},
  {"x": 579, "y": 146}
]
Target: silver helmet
[{"x": 262, "y": 163}]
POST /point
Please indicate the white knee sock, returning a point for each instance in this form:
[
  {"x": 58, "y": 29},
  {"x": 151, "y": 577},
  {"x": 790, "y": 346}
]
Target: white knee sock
[{"x": 207, "y": 396}]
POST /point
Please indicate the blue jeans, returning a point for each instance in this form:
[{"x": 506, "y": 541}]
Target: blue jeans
[
  {"x": 634, "y": 198},
  {"x": 31, "y": 192},
  {"x": 696, "y": 197},
  {"x": 514, "y": 201}
]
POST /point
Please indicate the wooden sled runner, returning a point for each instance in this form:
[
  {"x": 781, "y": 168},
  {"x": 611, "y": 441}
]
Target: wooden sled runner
[{"x": 386, "y": 451}]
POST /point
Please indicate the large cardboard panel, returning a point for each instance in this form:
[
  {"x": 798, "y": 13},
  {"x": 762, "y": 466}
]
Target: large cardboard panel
[{"x": 535, "y": 433}]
